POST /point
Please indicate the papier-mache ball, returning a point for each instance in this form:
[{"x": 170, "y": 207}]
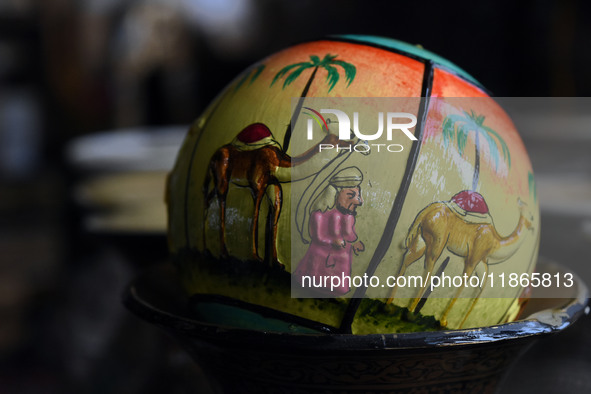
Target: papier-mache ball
[{"x": 354, "y": 184}]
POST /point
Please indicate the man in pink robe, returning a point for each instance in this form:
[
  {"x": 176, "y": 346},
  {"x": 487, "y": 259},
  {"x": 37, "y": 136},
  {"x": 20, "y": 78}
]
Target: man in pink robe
[{"x": 332, "y": 232}]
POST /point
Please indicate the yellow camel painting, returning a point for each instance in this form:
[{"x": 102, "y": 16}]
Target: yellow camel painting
[{"x": 464, "y": 227}]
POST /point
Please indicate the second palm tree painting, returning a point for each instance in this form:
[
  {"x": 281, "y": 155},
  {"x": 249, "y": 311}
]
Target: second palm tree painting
[{"x": 471, "y": 124}]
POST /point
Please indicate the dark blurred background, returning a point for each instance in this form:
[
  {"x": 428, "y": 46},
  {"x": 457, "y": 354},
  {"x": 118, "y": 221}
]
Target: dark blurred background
[{"x": 70, "y": 69}]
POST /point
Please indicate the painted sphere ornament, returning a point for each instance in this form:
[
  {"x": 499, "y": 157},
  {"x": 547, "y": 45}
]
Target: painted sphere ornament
[{"x": 285, "y": 216}]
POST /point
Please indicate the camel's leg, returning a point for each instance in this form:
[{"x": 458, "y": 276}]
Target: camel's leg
[
  {"x": 223, "y": 249},
  {"x": 412, "y": 254},
  {"x": 469, "y": 266},
  {"x": 222, "y": 184},
  {"x": 434, "y": 248},
  {"x": 258, "y": 194},
  {"x": 482, "y": 286},
  {"x": 271, "y": 233},
  {"x": 207, "y": 197}
]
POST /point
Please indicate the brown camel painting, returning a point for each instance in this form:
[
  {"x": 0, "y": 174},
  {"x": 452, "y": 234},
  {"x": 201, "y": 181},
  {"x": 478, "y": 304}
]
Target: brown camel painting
[
  {"x": 252, "y": 160},
  {"x": 464, "y": 227}
]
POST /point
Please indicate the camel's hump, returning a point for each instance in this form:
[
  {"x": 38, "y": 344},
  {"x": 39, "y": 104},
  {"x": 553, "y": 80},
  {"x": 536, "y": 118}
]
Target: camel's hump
[
  {"x": 253, "y": 133},
  {"x": 470, "y": 201}
]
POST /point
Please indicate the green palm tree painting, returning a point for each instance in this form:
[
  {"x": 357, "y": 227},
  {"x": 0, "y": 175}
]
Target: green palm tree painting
[
  {"x": 459, "y": 127},
  {"x": 293, "y": 71}
]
